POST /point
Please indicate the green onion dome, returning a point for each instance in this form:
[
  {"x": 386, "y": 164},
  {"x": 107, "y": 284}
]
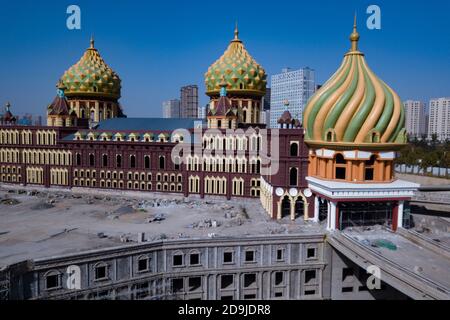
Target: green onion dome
[
  {"x": 355, "y": 107},
  {"x": 91, "y": 76},
  {"x": 242, "y": 74}
]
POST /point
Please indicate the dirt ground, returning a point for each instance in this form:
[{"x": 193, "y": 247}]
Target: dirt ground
[{"x": 38, "y": 223}]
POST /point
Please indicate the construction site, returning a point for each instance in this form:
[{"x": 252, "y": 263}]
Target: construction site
[{"x": 158, "y": 246}]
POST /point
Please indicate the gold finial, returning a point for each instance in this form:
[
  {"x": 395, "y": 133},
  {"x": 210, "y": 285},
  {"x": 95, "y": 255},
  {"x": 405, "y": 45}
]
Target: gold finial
[
  {"x": 92, "y": 42},
  {"x": 354, "y": 37},
  {"x": 236, "y": 34}
]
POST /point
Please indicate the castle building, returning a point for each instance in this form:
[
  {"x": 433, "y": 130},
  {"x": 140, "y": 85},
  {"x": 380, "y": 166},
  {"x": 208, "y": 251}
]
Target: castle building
[
  {"x": 337, "y": 165},
  {"x": 354, "y": 125}
]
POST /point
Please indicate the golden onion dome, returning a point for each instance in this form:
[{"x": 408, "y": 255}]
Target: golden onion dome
[
  {"x": 242, "y": 74},
  {"x": 91, "y": 76},
  {"x": 355, "y": 107}
]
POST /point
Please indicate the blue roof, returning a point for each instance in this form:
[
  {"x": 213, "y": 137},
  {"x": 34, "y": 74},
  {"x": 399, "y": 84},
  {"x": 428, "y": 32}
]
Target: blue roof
[{"x": 146, "y": 124}]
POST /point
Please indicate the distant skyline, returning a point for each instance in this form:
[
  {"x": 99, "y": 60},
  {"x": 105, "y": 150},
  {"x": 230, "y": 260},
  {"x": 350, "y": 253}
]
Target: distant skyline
[{"x": 159, "y": 46}]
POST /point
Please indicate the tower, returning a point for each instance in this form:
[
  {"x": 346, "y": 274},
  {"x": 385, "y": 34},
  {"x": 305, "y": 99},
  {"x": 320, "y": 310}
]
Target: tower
[
  {"x": 354, "y": 125},
  {"x": 92, "y": 88},
  {"x": 244, "y": 79},
  {"x": 59, "y": 113}
]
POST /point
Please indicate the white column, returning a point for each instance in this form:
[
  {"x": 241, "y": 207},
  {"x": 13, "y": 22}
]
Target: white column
[
  {"x": 332, "y": 216},
  {"x": 316, "y": 209},
  {"x": 401, "y": 205}
]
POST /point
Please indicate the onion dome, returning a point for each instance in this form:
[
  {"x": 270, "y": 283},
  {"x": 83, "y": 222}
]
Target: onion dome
[
  {"x": 241, "y": 72},
  {"x": 91, "y": 76},
  {"x": 59, "y": 106},
  {"x": 355, "y": 107}
]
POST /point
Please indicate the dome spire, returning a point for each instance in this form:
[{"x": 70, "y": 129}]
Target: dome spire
[
  {"x": 354, "y": 37},
  {"x": 92, "y": 42},
  {"x": 236, "y": 34}
]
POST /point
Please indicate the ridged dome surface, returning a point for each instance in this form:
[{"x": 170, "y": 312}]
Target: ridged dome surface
[
  {"x": 238, "y": 69},
  {"x": 91, "y": 76},
  {"x": 355, "y": 106}
]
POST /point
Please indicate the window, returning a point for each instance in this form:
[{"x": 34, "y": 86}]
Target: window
[
  {"x": 250, "y": 256},
  {"x": 310, "y": 276},
  {"x": 194, "y": 259},
  {"x": 133, "y": 161},
  {"x": 226, "y": 281},
  {"x": 347, "y": 274},
  {"x": 347, "y": 289},
  {"x": 293, "y": 177},
  {"x": 369, "y": 168},
  {"x": 340, "y": 167},
  {"x": 294, "y": 149},
  {"x": 143, "y": 264},
  {"x": 52, "y": 281},
  {"x": 195, "y": 283},
  {"x": 249, "y": 280},
  {"x": 162, "y": 164},
  {"x": 311, "y": 253},
  {"x": 91, "y": 160},
  {"x": 105, "y": 160},
  {"x": 228, "y": 257},
  {"x": 147, "y": 162},
  {"x": 219, "y": 123},
  {"x": 177, "y": 285},
  {"x": 118, "y": 161},
  {"x": 100, "y": 272},
  {"x": 177, "y": 259},
  {"x": 280, "y": 254},
  {"x": 78, "y": 159},
  {"x": 279, "y": 278}
]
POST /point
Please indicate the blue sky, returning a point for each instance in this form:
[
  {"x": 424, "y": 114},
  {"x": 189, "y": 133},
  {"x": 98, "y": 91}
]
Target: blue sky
[{"x": 158, "y": 46}]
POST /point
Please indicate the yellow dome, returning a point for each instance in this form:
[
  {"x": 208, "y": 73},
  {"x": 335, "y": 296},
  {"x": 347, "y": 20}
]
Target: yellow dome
[
  {"x": 241, "y": 73},
  {"x": 91, "y": 76}
]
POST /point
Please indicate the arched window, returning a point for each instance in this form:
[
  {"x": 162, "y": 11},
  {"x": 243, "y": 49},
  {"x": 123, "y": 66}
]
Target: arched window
[
  {"x": 329, "y": 136},
  {"x": 293, "y": 174},
  {"x": 132, "y": 161},
  {"x": 294, "y": 149},
  {"x": 78, "y": 159},
  {"x": 258, "y": 166},
  {"x": 118, "y": 161},
  {"x": 341, "y": 169},
  {"x": 105, "y": 160},
  {"x": 147, "y": 162},
  {"x": 162, "y": 162},
  {"x": 91, "y": 160},
  {"x": 244, "y": 116},
  {"x": 369, "y": 168}
]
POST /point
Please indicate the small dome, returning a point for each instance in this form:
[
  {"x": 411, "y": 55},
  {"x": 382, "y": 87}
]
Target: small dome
[
  {"x": 243, "y": 75},
  {"x": 354, "y": 106},
  {"x": 91, "y": 76}
]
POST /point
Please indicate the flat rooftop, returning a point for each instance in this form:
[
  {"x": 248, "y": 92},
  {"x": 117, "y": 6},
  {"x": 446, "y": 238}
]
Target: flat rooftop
[
  {"x": 39, "y": 223},
  {"x": 407, "y": 253}
]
